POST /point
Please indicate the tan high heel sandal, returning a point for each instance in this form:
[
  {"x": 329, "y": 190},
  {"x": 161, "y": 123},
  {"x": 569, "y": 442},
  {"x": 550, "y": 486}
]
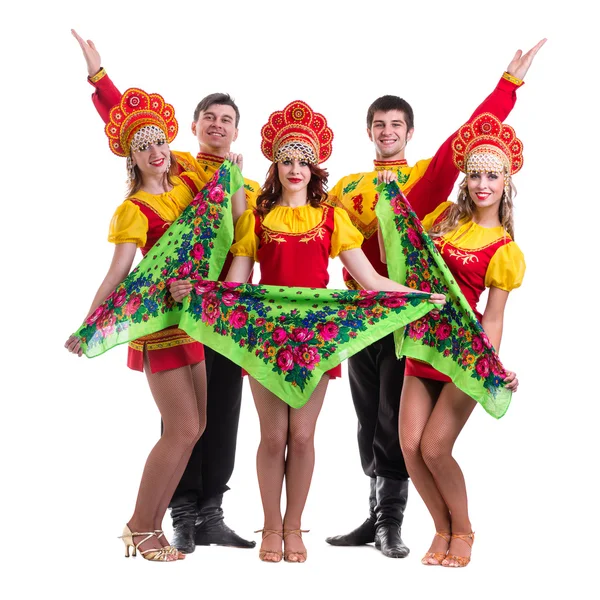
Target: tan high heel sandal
[
  {"x": 160, "y": 533},
  {"x": 438, "y": 556},
  {"x": 288, "y": 553},
  {"x": 153, "y": 554},
  {"x": 462, "y": 561},
  {"x": 263, "y": 553}
]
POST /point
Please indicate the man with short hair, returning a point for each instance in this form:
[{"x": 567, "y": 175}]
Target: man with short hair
[
  {"x": 375, "y": 375},
  {"x": 196, "y": 504}
]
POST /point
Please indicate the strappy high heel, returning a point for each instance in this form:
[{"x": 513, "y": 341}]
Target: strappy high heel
[
  {"x": 462, "y": 561},
  {"x": 437, "y": 556},
  {"x": 288, "y": 553},
  {"x": 262, "y": 553},
  {"x": 168, "y": 554},
  {"x": 160, "y": 533}
]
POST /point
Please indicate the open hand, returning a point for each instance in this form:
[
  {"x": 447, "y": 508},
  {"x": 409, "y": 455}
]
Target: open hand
[
  {"x": 91, "y": 55},
  {"x": 520, "y": 63}
]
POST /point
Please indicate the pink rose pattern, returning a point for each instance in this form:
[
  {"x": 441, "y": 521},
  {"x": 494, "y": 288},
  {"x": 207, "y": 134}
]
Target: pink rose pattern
[
  {"x": 293, "y": 341},
  {"x": 184, "y": 251},
  {"x": 452, "y": 333}
]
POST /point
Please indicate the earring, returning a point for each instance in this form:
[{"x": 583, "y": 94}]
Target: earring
[
  {"x": 130, "y": 170},
  {"x": 168, "y": 166}
]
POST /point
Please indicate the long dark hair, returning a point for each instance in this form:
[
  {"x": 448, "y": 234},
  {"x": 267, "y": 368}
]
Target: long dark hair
[
  {"x": 135, "y": 184},
  {"x": 270, "y": 192}
]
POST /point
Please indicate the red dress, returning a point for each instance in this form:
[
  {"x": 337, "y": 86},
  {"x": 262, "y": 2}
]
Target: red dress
[
  {"x": 170, "y": 348},
  {"x": 287, "y": 259},
  {"x": 470, "y": 263}
]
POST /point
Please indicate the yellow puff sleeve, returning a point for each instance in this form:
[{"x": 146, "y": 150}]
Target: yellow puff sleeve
[
  {"x": 128, "y": 224},
  {"x": 246, "y": 240},
  {"x": 429, "y": 220},
  {"x": 506, "y": 269},
  {"x": 345, "y": 235}
]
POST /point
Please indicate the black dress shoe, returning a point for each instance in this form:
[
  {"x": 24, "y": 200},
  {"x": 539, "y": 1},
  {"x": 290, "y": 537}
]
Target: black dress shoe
[
  {"x": 183, "y": 536},
  {"x": 388, "y": 540},
  {"x": 217, "y": 532},
  {"x": 363, "y": 534}
]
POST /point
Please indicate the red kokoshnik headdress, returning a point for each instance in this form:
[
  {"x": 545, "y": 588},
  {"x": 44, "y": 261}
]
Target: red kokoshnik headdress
[
  {"x": 297, "y": 132},
  {"x": 486, "y": 144},
  {"x": 140, "y": 119}
]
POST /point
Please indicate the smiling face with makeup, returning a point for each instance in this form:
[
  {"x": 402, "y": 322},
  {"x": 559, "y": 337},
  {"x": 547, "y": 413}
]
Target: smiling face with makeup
[{"x": 485, "y": 189}]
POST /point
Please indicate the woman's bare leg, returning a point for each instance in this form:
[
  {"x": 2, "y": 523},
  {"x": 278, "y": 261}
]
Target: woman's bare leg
[
  {"x": 447, "y": 420},
  {"x": 175, "y": 395},
  {"x": 273, "y": 415},
  {"x": 299, "y": 467},
  {"x": 199, "y": 382},
  {"x": 418, "y": 400}
]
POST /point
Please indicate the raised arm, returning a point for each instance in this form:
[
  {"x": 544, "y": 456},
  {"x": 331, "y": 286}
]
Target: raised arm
[
  {"x": 435, "y": 186},
  {"x": 106, "y": 95}
]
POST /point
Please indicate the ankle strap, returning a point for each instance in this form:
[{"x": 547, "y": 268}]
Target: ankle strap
[
  {"x": 468, "y": 538},
  {"x": 298, "y": 532},
  {"x": 445, "y": 535},
  {"x": 266, "y": 532}
]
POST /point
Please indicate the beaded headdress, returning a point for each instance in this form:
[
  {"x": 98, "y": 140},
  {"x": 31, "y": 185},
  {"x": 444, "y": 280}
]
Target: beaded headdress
[
  {"x": 296, "y": 132},
  {"x": 138, "y": 120},
  {"x": 487, "y": 145}
]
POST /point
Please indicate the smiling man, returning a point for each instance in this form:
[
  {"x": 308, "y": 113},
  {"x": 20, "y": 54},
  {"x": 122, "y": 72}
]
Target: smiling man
[
  {"x": 196, "y": 505},
  {"x": 375, "y": 375}
]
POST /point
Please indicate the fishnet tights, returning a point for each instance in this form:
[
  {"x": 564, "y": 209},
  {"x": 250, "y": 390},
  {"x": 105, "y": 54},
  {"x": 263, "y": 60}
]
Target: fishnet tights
[
  {"x": 432, "y": 414},
  {"x": 180, "y": 395},
  {"x": 283, "y": 428}
]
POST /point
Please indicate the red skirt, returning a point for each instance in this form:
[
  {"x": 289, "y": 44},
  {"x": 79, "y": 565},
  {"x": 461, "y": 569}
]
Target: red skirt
[
  {"x": 170, "y": 348},
  {"x": 418, "y": 368}
]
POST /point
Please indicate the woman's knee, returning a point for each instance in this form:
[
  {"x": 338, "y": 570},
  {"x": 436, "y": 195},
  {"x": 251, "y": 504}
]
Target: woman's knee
[
  {"x": 302, "y": 441},
  {"x": 434, "y": 452},
  {"x": 274, "y": 442}
]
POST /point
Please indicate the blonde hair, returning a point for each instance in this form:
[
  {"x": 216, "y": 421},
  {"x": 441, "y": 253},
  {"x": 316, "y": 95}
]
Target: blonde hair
[{"x": 462, "y": 211}]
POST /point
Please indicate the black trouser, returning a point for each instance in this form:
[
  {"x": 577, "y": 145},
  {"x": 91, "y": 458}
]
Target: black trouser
[
  {"x": 211, "y": 463},
  {"x": 376, "y": 378}
]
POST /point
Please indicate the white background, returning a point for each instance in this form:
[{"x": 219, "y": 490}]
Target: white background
[{"x": 76, "y": 432}]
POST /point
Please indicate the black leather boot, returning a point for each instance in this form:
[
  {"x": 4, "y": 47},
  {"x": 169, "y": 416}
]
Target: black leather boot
[
  {"x": 184, "y": 512},
  {"x": 211, "y": 528},
  {"x": 363, "y": 534},
  {"x": 392, "y": 495}
]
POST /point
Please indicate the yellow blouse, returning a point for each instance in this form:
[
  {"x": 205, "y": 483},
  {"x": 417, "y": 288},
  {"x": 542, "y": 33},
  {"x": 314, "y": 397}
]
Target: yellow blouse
[
  {"x": 507, "y": 267},
  {"x": 129, "y": 224},
  {"x": 295, "y": 220}
]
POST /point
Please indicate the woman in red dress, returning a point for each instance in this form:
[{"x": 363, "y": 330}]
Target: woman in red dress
[
  {"x": 140, "y": 128},
  {"x": 475, "y": 238},
  {"x": 292, "y": 234}
]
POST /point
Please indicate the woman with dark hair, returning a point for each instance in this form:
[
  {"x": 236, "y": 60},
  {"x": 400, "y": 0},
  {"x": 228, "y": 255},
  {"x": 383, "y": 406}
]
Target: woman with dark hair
[{"x": 292, "y": 234}]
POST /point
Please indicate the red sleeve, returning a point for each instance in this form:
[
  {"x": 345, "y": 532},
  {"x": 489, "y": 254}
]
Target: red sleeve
[
  {"x": 435, "y": 186},
  {"x": 105, "y": 95}
]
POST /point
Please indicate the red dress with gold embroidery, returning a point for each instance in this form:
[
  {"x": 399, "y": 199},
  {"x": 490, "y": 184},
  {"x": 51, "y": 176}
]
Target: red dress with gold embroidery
[
  {"x": 478, "y": 257},
  {"x": 296, "y": 259}
]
